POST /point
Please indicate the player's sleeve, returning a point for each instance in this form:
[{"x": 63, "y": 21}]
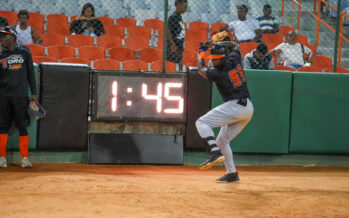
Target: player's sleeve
[
  {"x": 211, "y": 74},
  {"x": 31, "y": 74}
]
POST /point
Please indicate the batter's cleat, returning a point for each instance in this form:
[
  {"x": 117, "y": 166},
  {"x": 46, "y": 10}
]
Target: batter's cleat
[
  {"x": 213, "y": 158},
  {"x": 230, "y": 177},
  {"x": 3, "y": 162},
  {"x": 26, "y": 163}
]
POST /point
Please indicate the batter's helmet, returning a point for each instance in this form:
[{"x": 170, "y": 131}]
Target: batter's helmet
[{"x": 218, "y": 52}]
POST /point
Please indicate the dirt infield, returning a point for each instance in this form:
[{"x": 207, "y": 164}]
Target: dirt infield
[{"x": 81, "y": 190}]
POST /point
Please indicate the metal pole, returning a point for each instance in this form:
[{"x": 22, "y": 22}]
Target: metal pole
[
  {"x": 299, "y": 15},
  {"x": 164, "y": 43},
  {"x": 335, "y": 56}
]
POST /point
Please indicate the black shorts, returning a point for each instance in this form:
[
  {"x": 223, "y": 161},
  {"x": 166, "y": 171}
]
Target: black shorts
[{"x": 14, "y": 108}]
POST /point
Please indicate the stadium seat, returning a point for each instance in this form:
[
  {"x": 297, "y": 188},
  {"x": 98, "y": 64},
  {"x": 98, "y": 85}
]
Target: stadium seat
[
  {"x": 272, "y": 38},
  {"x": 91, "y": 52},
  {"x": 10, "y": 16},
  {"x": 37, "y": 20},
  {"x": 312, "y": 48},
  {"x": 247, "y": 47},
  {"x": 52, "y": 39},
  {"x": 150, "y": 54},
  {"x": 76, "y": 61},
  {"x": 285, "y": 29},
  {"x": 115, "y": 30},
  {"x": 322, "y": 62},
  {"x": 39, "y": 59},
  {"x": 61, "y": 51},
  {"x": 122, "y": 54},
  {"x": 109, "y": 41},
  {"x": 136, "y": 42},
  {"x": 36, "y": 50},
  {"x": 192, "y": 45},
  {"x": 199, "y": 26},
  {"x": 216, "y": 26},
  {"x": 58, "y": 23},
  {"x": 154, "y": 24},
  {"x": 106, "y": 64},
  {"x": 190, "y": 58},
  {"x": 338, "y": 70},
  {"x": 80, "y": 40},
  {"x": 309, "y": 69},
  {"x": 302, "y": 39},
  {"x": 139, "y": 31},
  {"x": 126, "y": 21},
  {"x": 157, "y": 66},
  {"x": 196, "y": 35},
  {"x": 280, "y": 67},
  {"x": 271, "y": 45},
  {"x": 106, "y": 20},
  {"x": 135, "y": 65},
  {"x": 72, "y": 18}
]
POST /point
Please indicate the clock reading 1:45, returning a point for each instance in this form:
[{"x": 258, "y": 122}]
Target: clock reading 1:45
[{"x": 163, "y": 92}]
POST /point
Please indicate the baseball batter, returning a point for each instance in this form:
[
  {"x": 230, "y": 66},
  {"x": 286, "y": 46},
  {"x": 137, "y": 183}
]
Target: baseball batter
[{"x": 236, "y": 111}]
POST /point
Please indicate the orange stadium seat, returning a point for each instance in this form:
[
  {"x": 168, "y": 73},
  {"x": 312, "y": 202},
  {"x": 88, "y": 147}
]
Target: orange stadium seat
[
  {"x": 139, "y": 31},
  {"x": 196, "y": 35},
  {"x": 106, "y": 20},
  {"x": 271, "y": 45},
  {"x": 190, "y": 58},
  {"x": 36, "y": 50},
  {"x": 52, "y": 39},
  {"x": 302, "y": 39},
  {"x": 58, "y": 23},
  {"x": 91, "y": 52},
  {"x": 322, "y": 62},
  {"x": 338, "y": 70},
  {"x": 122, "y": 54},
  {"x": 37, "y": 20},
  {"x": 136, "y": 42},
  {"x": 10, "y": 16},
  {"x": 106, "y": 64},
  {"x": 247, "y": 47},
  {"x": 157, "y": 66},
  {"x": 39, "y": 59},
  {"x": 126, "y": 21},
  {"x": 135, "y": 65},
  {"x": 272, "y": 38},
  {"x": 216, "y": 26},
  {"x": 61, "y": 51},
  {"x": 72, "y": 18},
  {"x": 280, "y": 67},
  {"x": 199, "y": 26},
  {"x": 192, "y": 45},
  {"x": 109, "y": 41},
  {"x": 285, "y": 29},
  {"x": 312, "y": 48},
  {"x": 309, "y": 69},
  {"x": 150, "y": 54},
  {"x": 76, "y": 61},
  {"x": 79, "y": 40},
  {"x": 114, "y": 30},
  {"x": 154, "y": 24}
]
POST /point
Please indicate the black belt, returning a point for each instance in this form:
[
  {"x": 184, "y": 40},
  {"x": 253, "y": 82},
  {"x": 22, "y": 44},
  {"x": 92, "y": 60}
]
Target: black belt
[{"x": 242, "y": 101}]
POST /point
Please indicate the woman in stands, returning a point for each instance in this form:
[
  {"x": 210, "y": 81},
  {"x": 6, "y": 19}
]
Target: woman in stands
[
  {"x": 26, "y": 34},
  {"x": 87, "y": 23}
]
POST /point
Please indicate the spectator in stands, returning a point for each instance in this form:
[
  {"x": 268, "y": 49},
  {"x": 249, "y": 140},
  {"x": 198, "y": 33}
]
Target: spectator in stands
[
  {"x": 3, "y": 22},
  {"x": 176, "y": 33},
  {"x": 25, "y": 33},
  {"x": 293, "y": 52},
  {"x": 268, "y": 23},
  {"x": 259, "y": 59},
  {"x": 87, "y": 23},
  {"x": 245, "y": 30}
]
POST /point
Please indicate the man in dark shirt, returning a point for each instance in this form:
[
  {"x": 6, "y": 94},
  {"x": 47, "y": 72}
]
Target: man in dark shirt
[
  {"x": 16, "y": 73},
  {"x": 3, "y": 22},
  {"x": 233, "y": 115},
  {"x": 176, "y": 33},
  {"x": 259, "y": 59}
]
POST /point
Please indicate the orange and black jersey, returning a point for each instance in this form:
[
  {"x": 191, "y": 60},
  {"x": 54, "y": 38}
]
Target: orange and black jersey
[
  {"x": 229, "y": 78},
  {"x": 16, "y": 73}
]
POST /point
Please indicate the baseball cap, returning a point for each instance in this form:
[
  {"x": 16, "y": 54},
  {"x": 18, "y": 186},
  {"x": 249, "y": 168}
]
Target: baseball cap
[
  {"x": 8, "y": 30},
  {"x": 243, "y": 6}
]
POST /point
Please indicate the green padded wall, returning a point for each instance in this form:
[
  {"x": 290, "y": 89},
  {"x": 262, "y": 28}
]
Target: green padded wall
[
  {"x": 268, "y": 131},
  {"x": 320, "y": 113},
  {"x": 12, "y": 143}
]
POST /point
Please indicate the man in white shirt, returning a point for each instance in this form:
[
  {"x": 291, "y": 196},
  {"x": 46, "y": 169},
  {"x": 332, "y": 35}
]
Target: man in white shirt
[
  {"x": 293, "y": 52},
  {"x": 245, "y": 30}
]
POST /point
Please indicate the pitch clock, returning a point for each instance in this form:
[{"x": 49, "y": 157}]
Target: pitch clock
[{"x": 139, "y": 96}]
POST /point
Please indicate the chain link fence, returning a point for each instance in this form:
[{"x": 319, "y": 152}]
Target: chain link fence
[{"x": 133, "y": 35}]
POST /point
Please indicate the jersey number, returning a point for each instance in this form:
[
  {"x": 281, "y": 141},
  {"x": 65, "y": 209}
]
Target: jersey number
[{"x": 237, "y": 76}]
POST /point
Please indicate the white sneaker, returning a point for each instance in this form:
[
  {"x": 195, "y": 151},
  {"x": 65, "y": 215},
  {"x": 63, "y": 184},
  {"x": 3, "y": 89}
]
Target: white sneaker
[
  {"x": 3, "y": 162},
  {"x": 26, "y": 163}
]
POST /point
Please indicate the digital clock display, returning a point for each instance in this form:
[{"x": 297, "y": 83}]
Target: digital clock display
[{"x": 142, "y": 96}]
